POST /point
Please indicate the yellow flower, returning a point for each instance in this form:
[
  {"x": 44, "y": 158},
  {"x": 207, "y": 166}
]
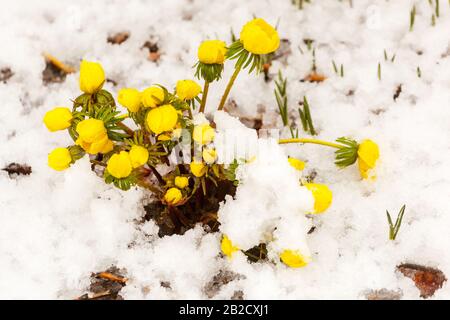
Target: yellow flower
[
  {"x": 92, "y": 77},
  {"x": 173, "y": 196},
  {"x": 162, "y": 119},
  {"x": 58, "y": 119},
  {"x": 227, "y": 247},
  {"x": 297, "y": 164},
  {"x": 181, "y": 182},
  {"x": 294, "y": 259},
  {"x": 209, "y": 155},
  {"x": 259, "y": 37},
  {"x": 59, "y": 159},
  {"x": 164, "y": 137},
  {"x": 368, "y": 154},
  {"x": 102, "y": 145},
  {"x": 138, "y": 156},
  {"x": 130, "y": 98},
  {"x": 119, "y": 165},
  {"x": 153, "y": 97},
  {"x": 212, "y": 52},
  {"x": 322, "y": 196},
  {"x": 91, "y": 130},
  {"x": 198, "y": 169},
  {"x": 203, "y": 134},
  {"x": 188, "y": 89}
]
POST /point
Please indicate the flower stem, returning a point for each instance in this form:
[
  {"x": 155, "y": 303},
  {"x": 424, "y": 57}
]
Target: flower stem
[
  {"x": 125, "y": 128},
  {"x": 204, "y": 96},
  {"x": 314, "y": 141},
  {"x": 228, "y": 88}
]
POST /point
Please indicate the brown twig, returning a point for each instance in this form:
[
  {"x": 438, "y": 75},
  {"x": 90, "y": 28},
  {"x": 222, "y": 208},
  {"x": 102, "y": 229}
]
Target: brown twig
[
  {"x": 125, "y": 128},
  {"x": 112, "y": 277}
]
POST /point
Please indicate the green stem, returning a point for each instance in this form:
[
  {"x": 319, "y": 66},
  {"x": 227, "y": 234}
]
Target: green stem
[
  {"x": 204, "y": 96},
  {"x": 314, "y": 141},
  {"x": 228, "y": 88}
]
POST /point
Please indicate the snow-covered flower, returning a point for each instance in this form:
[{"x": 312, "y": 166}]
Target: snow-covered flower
[
  {"x": 209, "y": 155},
  {"x": 162, "y": 119},
  {"x": 212, "y": 52},
  {"x": 203, "y": 134},
  {"x": 59, "y": 118},
  {"x": 152, "y": 97},
  {"x": 259, "y": 37},
  {"x": 322, "y": 196},
  {"x": 138, "y": 156},
  {"x": 368, "y": 154},
  {"x": 119, "y": 165},
  {"x": 187, "y": 89},
  {"x": 59, "y": 159},
  {"x": 92, "y": 77},
  {"x": 130, "y": 98}
]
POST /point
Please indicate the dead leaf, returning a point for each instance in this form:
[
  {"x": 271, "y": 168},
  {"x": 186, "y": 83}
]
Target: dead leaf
[
  {"x": 17, "y": 169},
  {"x": 119, "y": 37},
  {"x": 426, "y": 279}
]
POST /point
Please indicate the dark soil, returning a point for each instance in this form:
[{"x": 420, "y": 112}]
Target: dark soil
[{"x": 199, "y": 209}]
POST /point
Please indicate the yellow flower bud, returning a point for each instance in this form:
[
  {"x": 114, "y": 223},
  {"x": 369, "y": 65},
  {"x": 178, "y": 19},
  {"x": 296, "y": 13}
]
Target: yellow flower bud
[
  {"x": 58, "y": 119},
  {"x": 91, "y": 130},
  {"x": 119, "y": 165},
  {"x": 368, "y": 154},
  {"x": 164, "y": 137},
  {"x": 59, "y": 159},
  {"x": 322, "y": 196},
  {"x": 297, "y": 164},
  {"x": 130, "y": 99},
  {"x": 209, "y": 155},
  {"x": 92, "y": 77},
  {"x": 212, "y": 52},
  {"x": 227, "y": 247},
  {"x": 198, "y": 169},
  {"x": 173, "y": 196},
  {"x": 203, "y": 134},
  {"x": 259, "y": 37},
  {"x": 102, "y": 145},
  {"x": 162, "y": 119},
  {"x": 188, "y": 89},
  {"x": 107, "y": 147},
  {"x": 152, "y": 97},
  {"x": 294, "y": 259},
  {"x": 138, "y": 156},
  {"x": 181, "y": 182}
]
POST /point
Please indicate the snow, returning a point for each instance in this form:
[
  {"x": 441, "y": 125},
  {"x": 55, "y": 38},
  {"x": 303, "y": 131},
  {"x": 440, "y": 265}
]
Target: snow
[{"x": 58, "y": 228}]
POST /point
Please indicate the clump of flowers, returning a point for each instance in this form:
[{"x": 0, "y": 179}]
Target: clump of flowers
[{"x": 165, "y": 126}]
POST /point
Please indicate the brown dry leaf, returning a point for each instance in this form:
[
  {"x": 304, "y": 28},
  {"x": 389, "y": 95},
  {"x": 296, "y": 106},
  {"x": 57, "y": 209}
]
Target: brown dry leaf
[
  {"x": 58, "y": 64},
  {"x": 17, "y": 169},
  {"x": 426, "y": 279},
  {"x": 383, "y": 294},
  {"x": 119, "y": 37},
  {"x": 315, "y": 77},
  {"x": 153, "y": 49},
  {"x": 5, "y": 74}
]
